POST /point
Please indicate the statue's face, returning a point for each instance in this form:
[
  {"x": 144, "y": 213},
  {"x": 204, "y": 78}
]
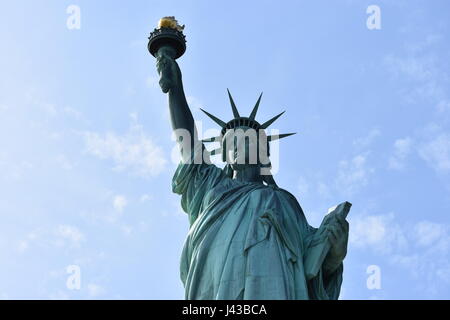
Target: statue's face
[{"x": 241, "y": 147}]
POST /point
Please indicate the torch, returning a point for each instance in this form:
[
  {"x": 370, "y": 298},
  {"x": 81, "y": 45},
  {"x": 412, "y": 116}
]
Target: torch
[{"x": 168, "y": 34}]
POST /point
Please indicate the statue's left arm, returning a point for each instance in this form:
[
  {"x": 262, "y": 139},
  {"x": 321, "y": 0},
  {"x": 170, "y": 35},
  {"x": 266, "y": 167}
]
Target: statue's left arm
[
  {"x": 337, "y": 229},
  {"x": 323, "y": 262}
]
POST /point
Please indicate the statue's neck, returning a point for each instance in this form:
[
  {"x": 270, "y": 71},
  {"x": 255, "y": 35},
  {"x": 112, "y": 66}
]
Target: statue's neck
[{"x": 248, "y": 174}]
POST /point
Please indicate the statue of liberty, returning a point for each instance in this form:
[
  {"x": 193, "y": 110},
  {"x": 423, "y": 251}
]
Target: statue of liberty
[{"x": 248, "y": 238}]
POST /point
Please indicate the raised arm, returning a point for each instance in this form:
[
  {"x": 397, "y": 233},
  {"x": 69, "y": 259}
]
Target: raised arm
[{"x": 171, "y": 83}]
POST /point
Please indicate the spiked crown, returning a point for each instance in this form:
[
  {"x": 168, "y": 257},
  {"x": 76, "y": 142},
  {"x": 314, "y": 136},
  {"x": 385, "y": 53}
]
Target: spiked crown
[{"x": 240, "y": 121}]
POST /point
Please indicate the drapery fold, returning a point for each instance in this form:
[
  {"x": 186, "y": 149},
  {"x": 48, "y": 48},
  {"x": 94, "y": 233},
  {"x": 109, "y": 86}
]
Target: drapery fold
[{"x": 246, "y": 240}]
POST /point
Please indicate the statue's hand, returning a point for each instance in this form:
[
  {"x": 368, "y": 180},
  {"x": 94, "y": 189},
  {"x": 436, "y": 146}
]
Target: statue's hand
[
  {"x": 337, "y": 228},
  {"x": 168, "y": 70}
]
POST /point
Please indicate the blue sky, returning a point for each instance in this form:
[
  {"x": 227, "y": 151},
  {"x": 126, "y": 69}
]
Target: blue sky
[{"x": 86, "y": 147}]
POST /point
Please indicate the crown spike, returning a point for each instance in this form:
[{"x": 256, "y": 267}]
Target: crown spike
[
  {"x": 215, "y": 119},
  {"x": 212, "y": 139},
  {"x": 269, "y": 122},
  {"x": 233, "y": 105},
  {"x": 255, "y": 108},
  {"x": 279, "y": 136}
]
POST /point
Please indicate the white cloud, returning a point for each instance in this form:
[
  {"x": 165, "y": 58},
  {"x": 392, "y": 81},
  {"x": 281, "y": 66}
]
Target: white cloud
[
  {"x": 70, "y": 234},
  {"x": 152, "y": 82},
  {"x": 421, "y": 248},
  {"x": 428, "y": 233},
  {"x": 402, "y": 148},
  {"x": 145, "y": 198},
  {"x": 414, "y": 67},
  {"x": 367, "y": 140},
  {"x": 72, "y": 112},
  {"x": 421, "y": 69},
  {"x": 127, "y": 230},
  {"x": 23, "y": 246},
  {"x": 61, "y": 236},
  {"x": 194, "y": 103},
  {"x": 134, "y": 117},
  {"x": 443, "y": 106},
  {"x": 59, "y": 295},
  {"x": 119, "y": 202},
  {"x": 323, "y": 189},
  {"x": 429, "y": 40},
  {"x": 64, "y": 162},
  {"x": 133, "y": 151},
  {"x": 48, "y": 108},
  {"x": 53, "y": 110},
  {"x": 379, "y": 232},
  {"x": 368, "y": 231},
  {"x": 437, "y": 152},
  {"x": 353, "y": 174},
  {"x": 303, "y": 187},
  {"x": 95, "y": 290},
  {"x": 14, "y": 169}
]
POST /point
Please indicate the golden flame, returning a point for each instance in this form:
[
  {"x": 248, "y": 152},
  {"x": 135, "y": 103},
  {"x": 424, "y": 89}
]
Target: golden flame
[{"x": 169, "y": 22}]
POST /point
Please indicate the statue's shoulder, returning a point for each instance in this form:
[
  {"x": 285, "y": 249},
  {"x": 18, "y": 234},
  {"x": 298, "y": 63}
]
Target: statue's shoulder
[
  {"x": 289, "y": 199},
  {"x": 284, "y": 193}
]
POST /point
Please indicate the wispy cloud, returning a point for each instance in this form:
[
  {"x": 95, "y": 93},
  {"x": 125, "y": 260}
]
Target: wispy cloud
[
  {"x": 95, "y": 290},
  {"x": 421, "y": 248},
  {"x": 353, "y": 174},
  {"x": 420, "y": 70},
  {"x": 64, "y": 162},
  {"x": 119, "y": 203},
  {"x": 379, "y": 232},
  {"x": 303, "y": 187},
  {"x": 422, "y": 75},
  {"x": 428, "y": 233},
  {"x": 194, "y": 103},
  {"x": 402, "y": 148},
  {"x": 70, "y": 234},
  {"x": 145, "y": 198},
  {"x": 61, "y": 236},
  {"x": 133, "y": 151},
  {"x": 152, "y": 82},
  {"x": 14, "y": 169},
  {"x": 436, "y": 152},
  {"x": 367, "y": 140}
]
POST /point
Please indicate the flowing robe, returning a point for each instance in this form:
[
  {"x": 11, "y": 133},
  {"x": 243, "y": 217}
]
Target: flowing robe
[{"x": 246, "y": 240}]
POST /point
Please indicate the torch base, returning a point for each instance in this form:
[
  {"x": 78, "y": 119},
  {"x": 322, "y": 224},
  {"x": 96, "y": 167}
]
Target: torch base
[{"x": 167, "y": 37}]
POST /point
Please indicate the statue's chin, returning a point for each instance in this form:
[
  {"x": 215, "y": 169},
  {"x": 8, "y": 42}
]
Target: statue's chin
[{"x": 241, "y": 167}]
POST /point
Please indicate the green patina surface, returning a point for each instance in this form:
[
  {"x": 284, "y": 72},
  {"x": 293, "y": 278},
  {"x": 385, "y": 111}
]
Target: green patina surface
[{"x": 248, "y": 238}]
